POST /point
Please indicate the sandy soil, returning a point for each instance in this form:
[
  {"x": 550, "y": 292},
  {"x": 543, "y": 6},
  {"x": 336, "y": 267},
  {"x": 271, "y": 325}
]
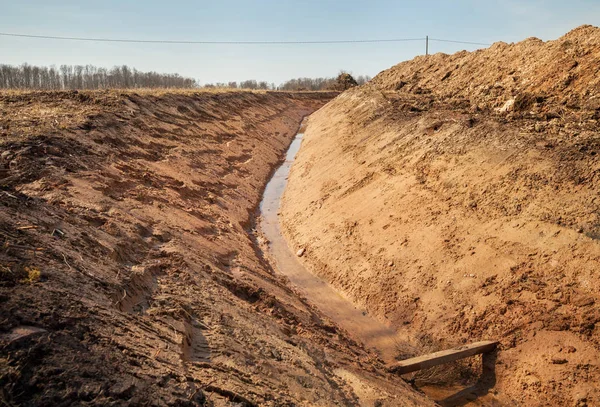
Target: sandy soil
[
  {"x": 363, "y": 327},
  {"x": 456, "y": 199},
  {"x": 128, "y": 275}
]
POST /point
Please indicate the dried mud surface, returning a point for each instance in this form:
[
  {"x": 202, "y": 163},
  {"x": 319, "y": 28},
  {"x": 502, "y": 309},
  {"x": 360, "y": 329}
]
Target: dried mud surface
[
  {"x": 456, "y": 198},
  {"x": 128, "y": 275}
]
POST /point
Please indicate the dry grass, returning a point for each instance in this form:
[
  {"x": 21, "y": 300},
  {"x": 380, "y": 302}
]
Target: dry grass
[
  {"x": 24, "y": 113},
  {"x": 19, "y": 274},
  {"x": 155, "y": 91}
]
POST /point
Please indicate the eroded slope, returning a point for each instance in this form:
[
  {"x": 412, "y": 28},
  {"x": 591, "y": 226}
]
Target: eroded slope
[
  {"x": 467, "y": 210},
  {"x": 128, "y": 275}
]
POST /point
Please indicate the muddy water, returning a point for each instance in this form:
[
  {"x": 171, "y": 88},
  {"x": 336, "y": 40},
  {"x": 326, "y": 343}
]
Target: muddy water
[{"x": 356, "y": 322}]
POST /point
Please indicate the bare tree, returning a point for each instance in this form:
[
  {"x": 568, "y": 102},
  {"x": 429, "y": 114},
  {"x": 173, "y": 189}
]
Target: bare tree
[
  {"x": 87, "y": 77},
  {"x": 249, "y": 84}
]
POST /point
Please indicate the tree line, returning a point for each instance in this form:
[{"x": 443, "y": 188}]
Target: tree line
[
  {"x": 87, "y": 77},
  {"x": 249, "y": 84},
  {"x": 122, "y": 77},
  {"x": 290, "y": 85},
  {"x": 319, "y": 83}
]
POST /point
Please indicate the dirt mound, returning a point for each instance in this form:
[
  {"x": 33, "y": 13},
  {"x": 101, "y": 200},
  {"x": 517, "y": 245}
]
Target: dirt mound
[
  {"x": 127, "y": 271},
  {"x": 532, "y": 73},
  {"x": 444, "y": 211}
]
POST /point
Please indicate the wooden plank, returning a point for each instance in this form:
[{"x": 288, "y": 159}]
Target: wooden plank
[{"x": 441, "y": 357}]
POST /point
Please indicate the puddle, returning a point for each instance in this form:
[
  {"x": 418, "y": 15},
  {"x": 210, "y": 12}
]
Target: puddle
[{"x": 355, "y": 321}]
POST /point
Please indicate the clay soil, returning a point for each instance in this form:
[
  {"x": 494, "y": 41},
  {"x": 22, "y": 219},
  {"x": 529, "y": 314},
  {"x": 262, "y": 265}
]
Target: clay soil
[
  {"x": 128, "y": 271},
  {"x": 455, "y": 197}
]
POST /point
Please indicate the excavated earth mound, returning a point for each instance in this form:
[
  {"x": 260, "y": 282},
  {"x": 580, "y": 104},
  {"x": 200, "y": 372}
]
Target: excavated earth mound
[
  {"x": 456, "y": 198},
  {"x": 128, "y": 275},
  {"x": 562, "y": 74}
]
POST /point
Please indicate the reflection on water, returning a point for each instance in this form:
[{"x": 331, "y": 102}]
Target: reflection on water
[{"x": 361, "y": 326}]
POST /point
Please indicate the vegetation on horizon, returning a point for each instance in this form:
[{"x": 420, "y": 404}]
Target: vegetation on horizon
[
  {"x": 297, "y": 84},
  {"x": 89, "y": 77},
  {"x": 86, "y": 77}
]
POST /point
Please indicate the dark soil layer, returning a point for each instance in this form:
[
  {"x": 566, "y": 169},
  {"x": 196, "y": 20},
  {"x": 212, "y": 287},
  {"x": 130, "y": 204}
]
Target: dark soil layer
[{"x": 127, "y": 273}]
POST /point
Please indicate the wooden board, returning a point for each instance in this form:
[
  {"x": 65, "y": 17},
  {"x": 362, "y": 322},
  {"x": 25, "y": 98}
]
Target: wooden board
[{"x": 444, "y": 356}]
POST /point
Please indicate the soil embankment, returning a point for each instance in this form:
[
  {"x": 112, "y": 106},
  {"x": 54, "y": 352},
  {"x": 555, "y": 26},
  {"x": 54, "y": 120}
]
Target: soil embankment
[
  {"x": 364, "y": 328},
  {"x": 455, "y": 197},
  {"x": 128, "y": 275}
]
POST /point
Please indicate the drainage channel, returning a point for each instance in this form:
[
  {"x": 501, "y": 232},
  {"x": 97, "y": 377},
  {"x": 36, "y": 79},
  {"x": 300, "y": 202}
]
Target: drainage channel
[{"x": 362, "y": 327}]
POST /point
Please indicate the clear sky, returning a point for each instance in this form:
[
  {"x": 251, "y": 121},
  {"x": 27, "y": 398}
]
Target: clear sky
[{"x": 271, "y": 20}]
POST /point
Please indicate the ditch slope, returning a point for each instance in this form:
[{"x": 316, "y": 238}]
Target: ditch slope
[
  {"x": 128, "y": 274},
  {"x": 455, "y": 197}
]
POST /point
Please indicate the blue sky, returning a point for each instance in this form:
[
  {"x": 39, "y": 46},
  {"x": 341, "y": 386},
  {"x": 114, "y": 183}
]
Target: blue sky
[{"x": 286, "y": 20}]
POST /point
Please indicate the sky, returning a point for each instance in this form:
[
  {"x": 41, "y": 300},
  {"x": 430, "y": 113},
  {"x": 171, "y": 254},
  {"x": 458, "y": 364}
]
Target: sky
[{"x": 272, "y": 20}]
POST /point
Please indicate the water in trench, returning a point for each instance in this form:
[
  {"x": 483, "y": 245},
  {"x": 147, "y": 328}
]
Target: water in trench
[
  {"x": 356, "y": 322},
  {"x": 361, "y": 326}
]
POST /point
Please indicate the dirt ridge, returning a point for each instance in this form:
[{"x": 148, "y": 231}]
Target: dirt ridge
[
  {"x": 455, "y": 197},
  {"x": 147, "y": 288}
]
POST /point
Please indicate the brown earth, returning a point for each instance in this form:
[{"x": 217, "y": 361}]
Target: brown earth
[
  {"x": 128, "y": 273},
  {"x": 455, "y": 197},
  {"x": 344, "y": 81}
]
